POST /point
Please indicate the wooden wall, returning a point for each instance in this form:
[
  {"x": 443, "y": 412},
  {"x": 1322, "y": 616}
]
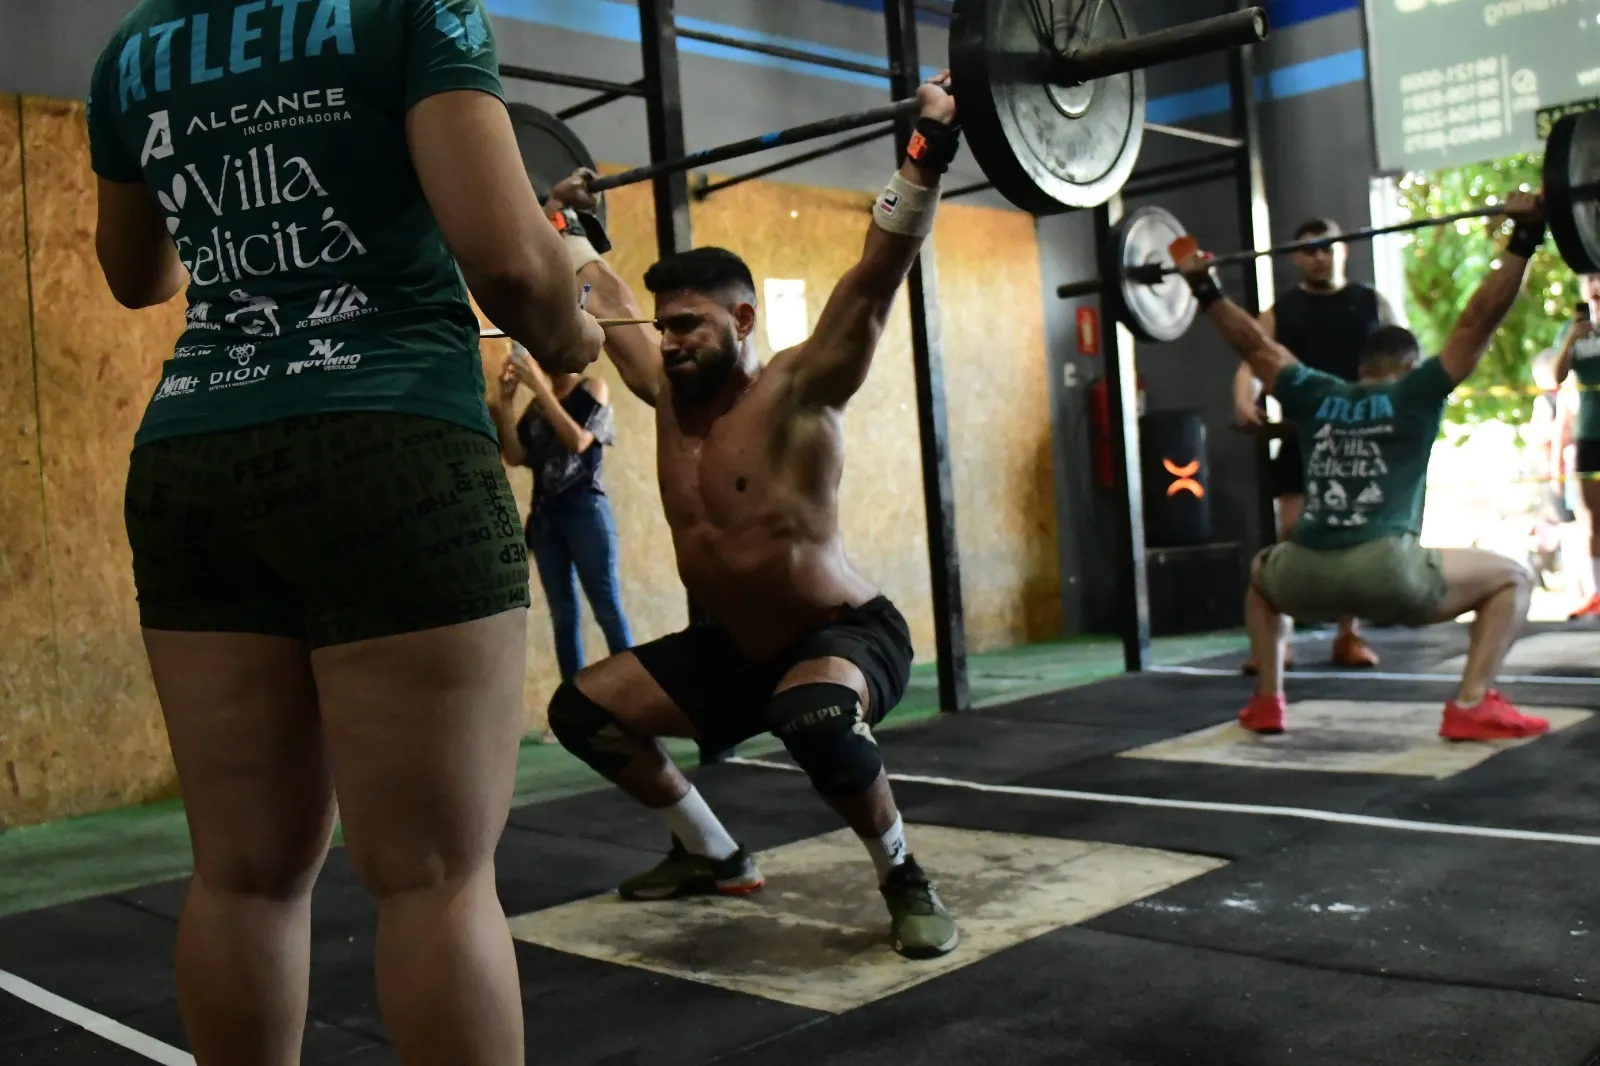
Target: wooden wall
[{"x": 80, "y": 729}]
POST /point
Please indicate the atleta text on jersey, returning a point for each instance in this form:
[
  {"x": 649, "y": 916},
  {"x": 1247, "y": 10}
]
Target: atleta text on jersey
[{"x": 272, "y": 135}]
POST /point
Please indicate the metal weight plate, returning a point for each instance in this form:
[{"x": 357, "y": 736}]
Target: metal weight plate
[
  {"x": 550, "y": 150},
  {"x": 1161, "y": 312},
  {"x": 1044, "y": 147},
  {"x": 1571, "y": 168}
]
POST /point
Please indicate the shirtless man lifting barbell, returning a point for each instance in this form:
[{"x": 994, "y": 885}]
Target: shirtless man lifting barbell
[
  {"x": 798, "y": 642},
  {"x": 1367, "y": 443}
]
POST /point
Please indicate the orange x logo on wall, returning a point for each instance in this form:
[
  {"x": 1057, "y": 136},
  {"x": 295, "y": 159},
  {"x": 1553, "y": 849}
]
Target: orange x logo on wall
[{"x": 1183, "y": 478}]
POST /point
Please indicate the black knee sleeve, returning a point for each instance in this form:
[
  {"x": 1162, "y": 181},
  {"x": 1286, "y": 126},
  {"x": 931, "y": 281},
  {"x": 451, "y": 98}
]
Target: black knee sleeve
[
  {"x": 590, "y": 732},
  {"x": 825, "y": 729}
]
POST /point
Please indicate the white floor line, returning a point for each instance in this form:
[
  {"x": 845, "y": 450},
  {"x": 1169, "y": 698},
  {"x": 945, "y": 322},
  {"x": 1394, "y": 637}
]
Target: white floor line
[
  {"x": 1369, "y": 675},
  {"x": 1304, "y": 813},
  {"x": 98, "y": 1024}
]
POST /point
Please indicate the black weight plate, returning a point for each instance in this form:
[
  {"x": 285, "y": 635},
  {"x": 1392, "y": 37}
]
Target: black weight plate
[
  {"x": 1157, "y": 313},
  {"x": 1571, "y": 168},
  {"x": 550, "y": 150},
  {"x": 1045, "y": 148}
]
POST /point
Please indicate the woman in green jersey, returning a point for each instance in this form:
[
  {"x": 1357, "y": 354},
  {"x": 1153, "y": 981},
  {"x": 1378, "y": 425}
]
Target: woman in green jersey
[{"x": 331, "y": 578}]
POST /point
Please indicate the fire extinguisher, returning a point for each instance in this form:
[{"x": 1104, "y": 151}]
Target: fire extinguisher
[{"x": 1100, "y": 429}]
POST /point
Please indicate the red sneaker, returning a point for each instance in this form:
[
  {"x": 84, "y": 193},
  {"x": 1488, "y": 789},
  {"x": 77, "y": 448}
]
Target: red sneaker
[
  {"x": 1264, "y": 714},
  {"x": 1492, "y": 719},
  {"x": 1588, "y": 610}
]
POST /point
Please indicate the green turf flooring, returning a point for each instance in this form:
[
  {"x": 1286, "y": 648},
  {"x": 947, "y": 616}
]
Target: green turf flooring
[{"x": 45, "y": 865}]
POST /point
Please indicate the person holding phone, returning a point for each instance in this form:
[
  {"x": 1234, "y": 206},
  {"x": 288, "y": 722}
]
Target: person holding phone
[{"x": 1578, "y": 353}]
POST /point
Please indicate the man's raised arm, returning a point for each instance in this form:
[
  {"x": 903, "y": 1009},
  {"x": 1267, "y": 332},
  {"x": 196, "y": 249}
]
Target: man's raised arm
[
  {"x": 1244, "y": 334},
  {"x": 832, "y": 364},
  {"x": 1488, "y": 306}
]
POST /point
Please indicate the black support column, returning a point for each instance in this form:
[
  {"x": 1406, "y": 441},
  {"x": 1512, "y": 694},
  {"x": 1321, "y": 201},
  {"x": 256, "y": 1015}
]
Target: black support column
[
  {"x": 1255, "y": 231},
  {"x": 658, "y": 40},
  {"x": 1122, "y": 385},
  {"x": 927, "y": 352}
]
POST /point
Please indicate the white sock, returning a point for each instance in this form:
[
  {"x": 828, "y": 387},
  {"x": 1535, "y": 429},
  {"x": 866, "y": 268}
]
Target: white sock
[
  {"x": 1595, "y": 564},
  {"x": 692, "y": 822},
  {"x": 889, "y": 850}
]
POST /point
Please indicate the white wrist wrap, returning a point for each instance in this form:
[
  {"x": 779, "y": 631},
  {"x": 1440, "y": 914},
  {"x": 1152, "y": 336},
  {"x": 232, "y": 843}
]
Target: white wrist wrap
[
  {"x": 906, "y": 209},
  {"x": 580, "y": 251}
]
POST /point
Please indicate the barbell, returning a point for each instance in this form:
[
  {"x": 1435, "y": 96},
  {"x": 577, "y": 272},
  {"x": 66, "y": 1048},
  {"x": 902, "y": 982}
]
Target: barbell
[
  {"x": 1051, "y": 103},
  {"x": 1146, "y": 295}
]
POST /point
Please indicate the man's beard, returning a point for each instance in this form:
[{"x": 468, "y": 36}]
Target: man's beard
[{"x": 709, "y": 374}]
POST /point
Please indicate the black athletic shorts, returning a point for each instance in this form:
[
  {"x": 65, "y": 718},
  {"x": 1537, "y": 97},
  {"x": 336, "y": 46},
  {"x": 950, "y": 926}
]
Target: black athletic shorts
[
  {"x": 329, "y": 528},
  {"x": 1587, "y": 459},
  {"x": 725, "y": 695},
  {"x": 1286, "y": 472}
]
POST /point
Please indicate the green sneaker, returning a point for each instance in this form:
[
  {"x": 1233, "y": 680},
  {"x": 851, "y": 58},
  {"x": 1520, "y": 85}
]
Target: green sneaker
[
  {"x": 683, "y": 874},
  {"x": 920, "y": 927}
]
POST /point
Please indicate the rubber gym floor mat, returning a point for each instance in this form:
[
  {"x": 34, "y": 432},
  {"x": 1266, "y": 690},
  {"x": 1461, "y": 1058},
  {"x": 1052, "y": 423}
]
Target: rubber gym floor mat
[
  {"x": 31, "y": 1037},
  {"x": 985, "y": 747},
  {"x": 1194, "y": 832},
  {"x": 1086, "y": 997},
  {"x": 761, "y": 810},
  {"x": 1434, "y": 649},
  {"x": 1127, "y": 702},
  {"x": 1488, "y": 913},
  {"x": 101, "y": 954},
  {"x": 1549, "y": 786}
]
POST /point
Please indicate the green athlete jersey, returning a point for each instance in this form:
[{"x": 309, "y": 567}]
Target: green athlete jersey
[
  {"x": 1586, "y": 368},
  {"x": 272, "y": 135},
  {"x": 1366, "y": 449}
]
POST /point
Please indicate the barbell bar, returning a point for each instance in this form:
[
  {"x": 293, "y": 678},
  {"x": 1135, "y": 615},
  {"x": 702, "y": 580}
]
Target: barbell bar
[
  {"x": 1105, "y": 51},
  {"x": 493, "y": 333},
  {"x": 1146, "y": 296}
]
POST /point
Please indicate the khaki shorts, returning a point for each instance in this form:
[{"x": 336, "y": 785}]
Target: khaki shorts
[{"x": 1390, "y": 581}]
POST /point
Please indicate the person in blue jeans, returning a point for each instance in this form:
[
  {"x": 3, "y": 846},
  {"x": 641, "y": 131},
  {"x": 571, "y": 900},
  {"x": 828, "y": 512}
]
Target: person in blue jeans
[{"x": 559, "y": 434}]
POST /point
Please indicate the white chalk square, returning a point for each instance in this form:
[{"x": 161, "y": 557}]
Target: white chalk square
[
  {"x": 817, "y": 935},
  {"x": 1347, "y": 736}
]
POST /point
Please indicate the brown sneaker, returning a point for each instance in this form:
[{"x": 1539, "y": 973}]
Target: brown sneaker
[{"x": 1351, "y": 651}]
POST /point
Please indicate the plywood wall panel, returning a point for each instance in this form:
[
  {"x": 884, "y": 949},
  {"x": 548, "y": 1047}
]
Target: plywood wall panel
[
  {"x": 97, "y": 365},
  {"x": 29, "y": 689},
  {"x": 997, "y": 397}
]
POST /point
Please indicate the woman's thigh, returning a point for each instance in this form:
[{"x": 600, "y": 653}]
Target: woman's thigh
[
  {"x": 422, "y": 730},
  {"x": 243, "y": 720}
]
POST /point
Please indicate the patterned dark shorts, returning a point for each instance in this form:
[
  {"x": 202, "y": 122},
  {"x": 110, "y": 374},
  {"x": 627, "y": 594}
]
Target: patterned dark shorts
[{"x": 329, "y": 528}]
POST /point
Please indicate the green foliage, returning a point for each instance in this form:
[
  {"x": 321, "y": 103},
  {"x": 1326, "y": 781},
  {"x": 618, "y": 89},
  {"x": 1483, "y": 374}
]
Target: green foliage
[{"x": 1444, "y": 264}]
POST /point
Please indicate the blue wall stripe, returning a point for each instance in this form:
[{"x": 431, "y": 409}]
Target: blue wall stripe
[
  {"x": 1314, "y": 75},
  {"x": 617, "y": 21},
  {"x": 877, "y": 6},
  {"x": 1285, "y": 13},
  {"x": 620, "y": 22},
  {"x": 1210, "y": 100}
]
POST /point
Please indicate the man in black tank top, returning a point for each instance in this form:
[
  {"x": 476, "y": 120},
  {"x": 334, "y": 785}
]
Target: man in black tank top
[{"x": 1324, "y": 321}]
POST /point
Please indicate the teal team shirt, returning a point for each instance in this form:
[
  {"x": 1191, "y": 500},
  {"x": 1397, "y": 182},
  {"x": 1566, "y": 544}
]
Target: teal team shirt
[
  {"x": 272, "y": 135},
  {"x": 1366, "y": 449}
]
